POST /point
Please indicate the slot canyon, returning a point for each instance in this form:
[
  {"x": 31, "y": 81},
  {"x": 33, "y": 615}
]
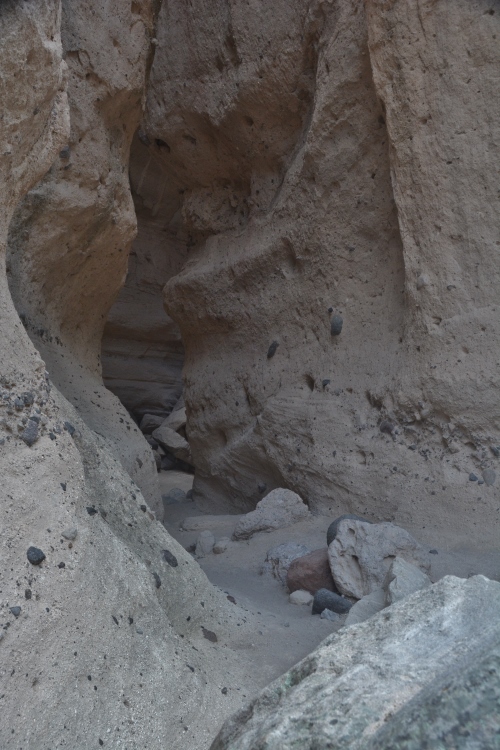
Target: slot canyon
[{"x": 249, "y": 288}]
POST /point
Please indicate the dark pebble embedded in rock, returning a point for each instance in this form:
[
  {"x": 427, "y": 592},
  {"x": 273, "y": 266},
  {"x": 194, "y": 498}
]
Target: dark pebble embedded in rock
[
  {"x": 472, "y": 477},
  {"x": 387, "y": 427},
  {"x": 157, "y": 580},
  {"x": 209, "y": 635},
  {"x": 91, "y": 510},
  {"x": 336, "y": 324},
  {"x": 495, "y": 450},
  {"x": 324, "y": 599},
  {"x": 16, "y": 611},
  {"x": 61, "y": 565},
  {"x": 30, "y": 432},
  {"x": 170, "y": 558},
  {"x": 325, "y": 382},
  {"x": 69, "y": 428},
  {"x": 333, "y": 528},
  {"x": 272, "y": 349},
  {"x": 433, "y": 552},
  {"x": 35, "y": 556},
  {"x": 224, "y": 691},
  {"x": 27, "y": 593}
]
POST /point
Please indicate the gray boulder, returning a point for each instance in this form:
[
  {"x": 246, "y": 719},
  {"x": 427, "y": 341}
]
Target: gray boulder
[
  {"x": 277, "y": 510},
  {"x": 279, "y": 559},
  {"x": 333, "y": 528},
  {"x": 361, "y": 555},
  {"x": 366, "y": 607},
  {"x": 419, "y": 674},
  {"x": 403, "y": 579}
]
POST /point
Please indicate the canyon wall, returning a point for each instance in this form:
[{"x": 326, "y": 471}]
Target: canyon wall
[
  {"x": 103, "y": 616},
  {"x": 335, "y": 159},
  {"x": 70, "y": 237}
]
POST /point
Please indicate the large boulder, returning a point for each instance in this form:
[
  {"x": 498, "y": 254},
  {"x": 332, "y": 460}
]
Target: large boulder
[
  {"x": 310, "y": 572},
  {"x": 420, "y": 674},
  {"x": 278, "y": 509},
  {"x": 361, "y": 555}
]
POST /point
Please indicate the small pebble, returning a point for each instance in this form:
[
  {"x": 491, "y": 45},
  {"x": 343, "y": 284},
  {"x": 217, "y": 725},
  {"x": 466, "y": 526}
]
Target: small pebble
[
  {"x": 325, "y": 382},
  {"x": 91, "y": 510},
  {"x": 27, "y": 593},
  {"x": 61, "y": 565},
  {"x": 170, "y": 558},
  {"x": 433, "y": 552},
  {"x": 272, "y": 349},
  {"x": 209, "y": 635},
  {"x": 16, "y": 611},
  {"x": 35, "y": 556},
  {"x": 69, "y": 428},
  {"x": 387, "y": 427},
  {"x": 157, "y": 580},
  {"x": 472, "y": 477},
  {"x": 30, "y": 433},
  {"x": 70, "y": 534},
  {"x": 139, "y": 631},
  {"x": 336, "y": 324},
  {"x": 224, "y": 691}
]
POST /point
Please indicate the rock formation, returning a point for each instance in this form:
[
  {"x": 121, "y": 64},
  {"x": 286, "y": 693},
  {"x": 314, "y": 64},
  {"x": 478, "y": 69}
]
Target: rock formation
[
  {"x": 418, "y": 675},
  {"x": 317, "y": 161},
  {"x": 305, "y": 199}
]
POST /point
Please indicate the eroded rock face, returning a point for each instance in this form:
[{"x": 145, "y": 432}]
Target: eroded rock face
[
  {"x": 305, "y": 186},
  {"x": 70, "y": 236},
  {"x": 100, "y": 623},
  {"x": 401, "y": 679}
]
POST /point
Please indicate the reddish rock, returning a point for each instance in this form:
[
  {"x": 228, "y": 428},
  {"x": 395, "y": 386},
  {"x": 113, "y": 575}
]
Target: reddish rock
[{"x": 310, "y": 573}]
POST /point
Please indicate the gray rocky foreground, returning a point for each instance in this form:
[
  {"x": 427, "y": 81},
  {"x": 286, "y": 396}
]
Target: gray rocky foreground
[{"x": 424, "y": 673}]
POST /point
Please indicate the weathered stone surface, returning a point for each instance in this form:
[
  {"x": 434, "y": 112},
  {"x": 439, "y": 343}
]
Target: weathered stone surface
[
  {"x": 334, "y": 526},
  {"x": 366, "y": 607},
  {"x": 311, "y": 572},
  {"x": 361, "y": 554},
  {"x": 176, "y": 419},
  {"x": 279, "y": 559},
  {"x": 411, "y": 675},
  {"x": 403, "y": 579},
  {"x": 173, "y": 443},
  {"x": 149, "y": 423},
  {"x": 278, "y": 509}
]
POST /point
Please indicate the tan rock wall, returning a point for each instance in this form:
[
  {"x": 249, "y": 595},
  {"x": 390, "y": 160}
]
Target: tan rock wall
[
  {"x": 70, "y": 237},
  {"x": 96, "y": 641},
  {"x": 303, "y": 177}
]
